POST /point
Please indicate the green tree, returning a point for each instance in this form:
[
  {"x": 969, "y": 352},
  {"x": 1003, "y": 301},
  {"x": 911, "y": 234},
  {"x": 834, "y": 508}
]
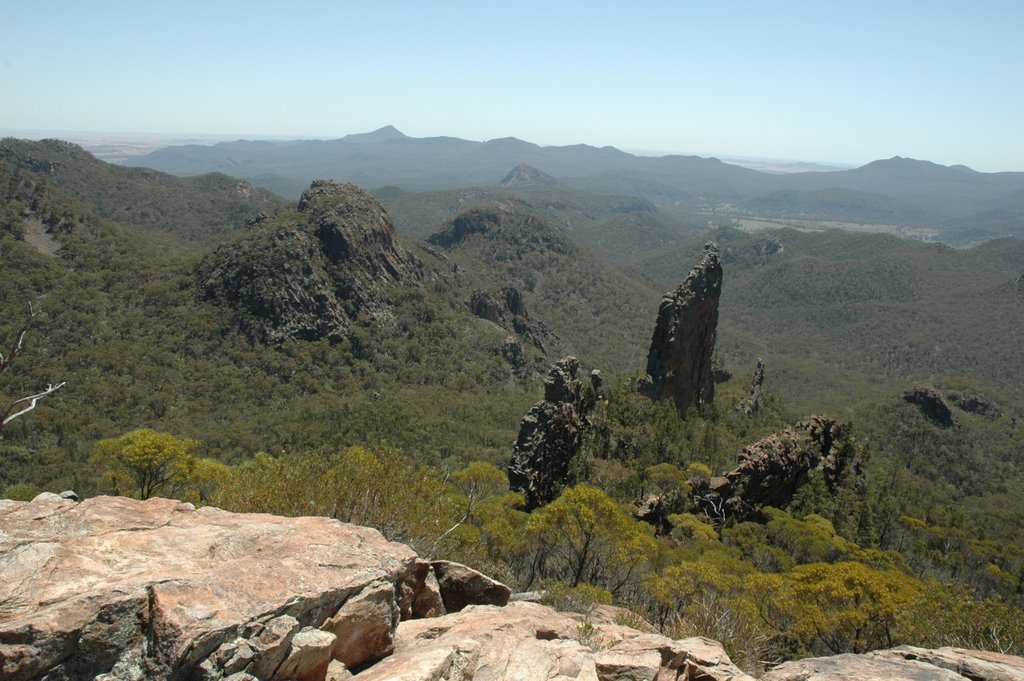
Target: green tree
[
  {"x": 586, "y": 536},
  {"x": 147, "y": 460}
]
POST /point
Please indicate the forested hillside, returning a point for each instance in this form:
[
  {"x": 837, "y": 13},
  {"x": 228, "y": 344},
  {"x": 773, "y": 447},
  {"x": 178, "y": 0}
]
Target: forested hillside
[{"x": 229, "y": 347}]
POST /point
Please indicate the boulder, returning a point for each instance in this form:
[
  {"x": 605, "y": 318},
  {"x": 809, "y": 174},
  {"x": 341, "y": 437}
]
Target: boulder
[
  {"x": 905, "y": 663},
  {"x": 461, "y": 586},
  {"x": 977, "y": 665},
  {"x": 679, "y": 363},
  {"x": 160, "y": 589},
  {"x": 421, "y": 594}
]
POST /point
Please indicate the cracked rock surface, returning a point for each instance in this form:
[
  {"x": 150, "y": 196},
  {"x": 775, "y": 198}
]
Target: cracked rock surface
[{"x": 116, "y": 588}]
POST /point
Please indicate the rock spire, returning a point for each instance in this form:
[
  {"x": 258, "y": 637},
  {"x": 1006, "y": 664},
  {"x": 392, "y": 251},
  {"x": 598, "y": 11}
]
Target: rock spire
[
  {"x": 550, "y": 435},
  {"x": 679, "y": 362}
]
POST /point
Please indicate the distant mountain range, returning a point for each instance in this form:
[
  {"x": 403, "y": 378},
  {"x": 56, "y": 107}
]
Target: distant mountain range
[{"x": 900, "y": 195}]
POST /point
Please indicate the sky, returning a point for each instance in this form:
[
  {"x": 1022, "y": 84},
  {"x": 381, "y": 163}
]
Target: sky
[{"x": 831, "y": 81}]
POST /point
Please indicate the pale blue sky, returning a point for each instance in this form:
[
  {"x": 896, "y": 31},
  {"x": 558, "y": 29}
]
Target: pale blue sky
[{"x": 828, "y": 81}]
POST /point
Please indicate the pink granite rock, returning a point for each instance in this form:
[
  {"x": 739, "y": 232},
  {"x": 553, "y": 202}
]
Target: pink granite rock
[{"x": 159, "y": 589}]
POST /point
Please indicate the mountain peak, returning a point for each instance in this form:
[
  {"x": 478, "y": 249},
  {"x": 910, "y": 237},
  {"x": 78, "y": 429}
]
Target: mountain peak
[
  {"x": 388, "y": 132},
  {"x": 525, "y": 174}
]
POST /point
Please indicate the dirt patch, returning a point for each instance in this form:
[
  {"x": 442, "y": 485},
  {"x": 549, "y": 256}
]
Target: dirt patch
[{"x": 36, "y": 235}]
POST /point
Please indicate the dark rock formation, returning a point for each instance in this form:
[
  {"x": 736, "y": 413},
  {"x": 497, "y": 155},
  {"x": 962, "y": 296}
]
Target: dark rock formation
[
  {"x": 507, "y": 309},
  {"x": 931, "y": 404},
  {"x": 718, "y": 374},
  {"x": 461, "y": 586},
  {"x": 511, "y": 351},
  {"x": 550, "y": 436},
  {"x": 679, "y": 362},
  {"x": 770, "y": 471},
  {"x": 305, "y": 277},
  {"x": 512, "y": 223},
  {"x": 473, "y": 222},
  {"x": 974, "y": 402},
  {"x": 754, "y": 401},
  {"x": 768, "y": 247}
]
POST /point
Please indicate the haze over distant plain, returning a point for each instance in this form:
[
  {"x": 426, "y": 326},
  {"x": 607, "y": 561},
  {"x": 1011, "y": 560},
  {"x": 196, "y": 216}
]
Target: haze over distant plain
[{"x": 842, "y": 83}]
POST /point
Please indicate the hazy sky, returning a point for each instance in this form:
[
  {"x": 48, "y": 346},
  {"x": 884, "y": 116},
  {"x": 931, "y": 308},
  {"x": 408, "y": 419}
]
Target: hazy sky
[{"x": 826, "y": 80}]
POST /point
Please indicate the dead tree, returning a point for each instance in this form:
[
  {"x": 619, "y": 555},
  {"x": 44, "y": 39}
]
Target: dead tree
[{"x": 23, "y": 405}]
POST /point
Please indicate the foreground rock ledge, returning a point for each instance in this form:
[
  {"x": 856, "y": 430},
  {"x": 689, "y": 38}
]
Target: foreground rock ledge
[
  {"x": 159, "y": 589},
  {"x": 116, "y": 589},
  {"x": 904, "y": 663}
]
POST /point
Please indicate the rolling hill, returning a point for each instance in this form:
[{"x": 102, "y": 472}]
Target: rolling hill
[{"x": 949, "y": 203}]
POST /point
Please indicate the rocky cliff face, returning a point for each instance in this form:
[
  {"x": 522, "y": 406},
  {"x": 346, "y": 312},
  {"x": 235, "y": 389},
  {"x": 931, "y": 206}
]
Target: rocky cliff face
[
  {"x": 306, "y": 275},
  {"x": 550, "y": 436},
  {"x": 679, "y": 362},
  {"x": 770, "y": 471}
]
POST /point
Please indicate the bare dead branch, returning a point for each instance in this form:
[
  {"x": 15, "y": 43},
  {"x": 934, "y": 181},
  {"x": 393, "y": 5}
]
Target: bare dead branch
[
  {"x": 19, "y": 341},
  {"x": 32, "y": 401}
]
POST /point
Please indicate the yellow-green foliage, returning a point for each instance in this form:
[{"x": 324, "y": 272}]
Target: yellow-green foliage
[
  {"x": 379, "y": 488},
  {"x": 145, "y": 461},
  {"x": 687, "y": 528},
  {"x": 838, "y": 607},
  {"x": 586, "y": 536},
  {"x": 948, "y": 615},
  {"x": 582, "y": 598}
]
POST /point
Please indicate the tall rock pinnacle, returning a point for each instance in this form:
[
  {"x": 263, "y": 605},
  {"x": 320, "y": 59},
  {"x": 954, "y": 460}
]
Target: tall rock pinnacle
[
  {"x": 679, "y": 361},
  {"x": 551, "y": 435}
]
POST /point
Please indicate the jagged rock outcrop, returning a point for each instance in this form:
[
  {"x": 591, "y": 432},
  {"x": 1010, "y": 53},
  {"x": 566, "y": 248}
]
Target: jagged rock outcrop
[
  {"x": 507, "y": 309},
  {"x": 932, "y": 405},
  {"x": 753, "y": 403},
  {"x": 306, "y": 276},
  {"x": 974, "y": 402},
  {"x": 679, "y": 363},
  {"x": 905, "y": 663},
  {"x": 550, "y": 435},
  {"x": 770, "y": 471}
]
